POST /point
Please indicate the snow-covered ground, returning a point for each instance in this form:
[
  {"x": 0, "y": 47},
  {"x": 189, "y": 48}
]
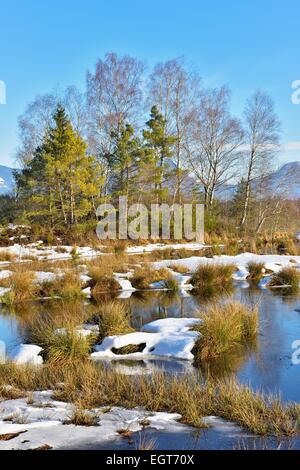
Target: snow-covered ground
[
  {"x": 161, "y": 246},
  {"x": 273, "y": 263},
  {"x": 42, "y": 423},
  {"x": 27, "y": 354},
  {"x": 50, "y": 253}
]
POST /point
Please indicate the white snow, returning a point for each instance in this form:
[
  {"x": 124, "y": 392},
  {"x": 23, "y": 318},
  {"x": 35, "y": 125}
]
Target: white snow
[
  {"x": 125, "y": 284},
  {"x": 5, "y": 274},
  {"x": 82, "y": 330},
  {"x": 169, "y": 337},
  {"x": 85, "y": 279},
  {"x": 47, "y": 253},
  {"x": 27, "y": 354},
  {"x": 87, "y": 292},
  {"x": 161, "y": 246},
  {"x": 183, "y": 281},
  {"x": 272, "y": 262},
  {"x": 43, "y": 276},
  {"x": 42, "y": 423},
  {"x": 125, "y": 294},
  {"x": 171, "y": 325},
  {"x": 4, "y": 290}
]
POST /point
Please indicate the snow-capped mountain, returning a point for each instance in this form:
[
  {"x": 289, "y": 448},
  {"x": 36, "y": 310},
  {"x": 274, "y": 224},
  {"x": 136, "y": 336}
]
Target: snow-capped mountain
[
  {"x": 284, "y": 181},
  {"x": 287, "y": 180},
  {"x": 6, "y": 180}
]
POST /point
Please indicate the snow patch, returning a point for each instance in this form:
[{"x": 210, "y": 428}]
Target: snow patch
[
  {"x": 27, "y": 354},
  {"x": 168, "y": 337}
]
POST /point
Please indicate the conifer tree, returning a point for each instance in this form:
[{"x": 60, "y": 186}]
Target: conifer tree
[
  {"x": 61, "y": 181},
  {"x": 238, "y": 198},
  {"x": 159, "y": 146},
  {"x": 126, "y": 157}
]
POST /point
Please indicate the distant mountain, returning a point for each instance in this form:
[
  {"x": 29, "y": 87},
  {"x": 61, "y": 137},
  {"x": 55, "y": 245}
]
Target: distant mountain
[
  {"x": 285, "y": 181},
  {"x": 6, "y": 180}
]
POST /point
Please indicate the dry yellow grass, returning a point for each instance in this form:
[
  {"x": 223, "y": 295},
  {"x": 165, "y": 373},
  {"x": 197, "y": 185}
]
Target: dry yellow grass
[
  {"x": 113, "y": 319},
  {"x": 286, "y": 277},
  {"x": 61, "y": 347},
  {"x": 68, "y": 287},
  {"x": 145, "y": 275},
  {"x": 223, "y": 328},
  {"x": 93, "y": 386},
  {"x": 6, "y": 255},
  {"x": 81, "y": 417},
  {"x": 179, "y": 268},
  {"x": 22, "y": 287},
  {"x": 212, "y": 275}
]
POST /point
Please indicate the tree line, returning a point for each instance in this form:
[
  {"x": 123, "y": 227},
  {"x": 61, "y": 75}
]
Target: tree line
[{"x": 155, "y": 137}]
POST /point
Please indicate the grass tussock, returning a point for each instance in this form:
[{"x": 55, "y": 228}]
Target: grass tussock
[
  {"x": 145, "y": 275},
  {"x": 113, "y": 319},
  {"x": 108, "y": 264},
  {"x": 173, "y": 253},
  {"x": 104, "y": 284},
  {"x": 213, "y": 275},
  {"x": 8, "y": 392},
  {"x": 22, "y": 287},
  {"x": 68, "y": 287},
  {"x": 257, "y": 412},
  {"x": 223, "y": 328},
  {"x": 93, "y": 386},
  {"x": 7, "y": 256},
  {"x": 120, "y": 247},
  {"x": 145, "y": 443},
  {"x": 171, "y": 285},
  {"x": 285, "y": 277},
  {"x": 256, "y": 270},
  {"x": 102, "y": 270},
  {"x": 81, "y": 417},
  {"x": 61, "y": 346},
  {"x": 179, "y": 268}
]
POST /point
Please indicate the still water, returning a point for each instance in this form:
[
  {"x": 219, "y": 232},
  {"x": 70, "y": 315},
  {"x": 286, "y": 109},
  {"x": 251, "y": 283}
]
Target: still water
[{"x": 267, "y": 366}]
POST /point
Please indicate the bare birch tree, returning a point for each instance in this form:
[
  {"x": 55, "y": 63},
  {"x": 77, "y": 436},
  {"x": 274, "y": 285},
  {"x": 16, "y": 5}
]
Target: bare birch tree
[
  {"x": 114, "y": 96},
  {"x": 262, "y": 138},
  {"x": 218, "y": 138}
]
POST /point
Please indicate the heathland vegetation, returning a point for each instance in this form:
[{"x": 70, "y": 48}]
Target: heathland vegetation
[{"x": 157, "y": 138}]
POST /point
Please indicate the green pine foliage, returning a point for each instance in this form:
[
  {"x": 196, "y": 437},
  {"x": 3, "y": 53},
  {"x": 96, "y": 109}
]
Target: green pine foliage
[
  {"x": 61, "y": 182},
  {"x": 160, "y": 148}
]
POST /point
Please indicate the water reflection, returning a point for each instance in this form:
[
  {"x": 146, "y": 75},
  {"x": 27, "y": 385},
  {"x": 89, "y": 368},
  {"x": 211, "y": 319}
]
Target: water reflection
[{"x": 266, "y": 366}]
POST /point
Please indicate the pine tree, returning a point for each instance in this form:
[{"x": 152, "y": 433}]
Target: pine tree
[
  {"x": 238, "y": 199},
  {"x": 159, "y": 146},
  {"x": 125, "y": 160},
  {"x": 61, "y": 182}
]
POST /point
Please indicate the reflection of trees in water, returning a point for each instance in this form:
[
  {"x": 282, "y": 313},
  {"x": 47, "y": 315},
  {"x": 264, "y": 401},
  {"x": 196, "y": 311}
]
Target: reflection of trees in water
[
  {"x": 212, "y": 294},
  {"x": 277, "y": 324},
  {"x": 288, "y": 296}
]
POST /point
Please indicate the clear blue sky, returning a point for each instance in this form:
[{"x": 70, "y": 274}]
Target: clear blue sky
[{"x": 246, "y": 44}]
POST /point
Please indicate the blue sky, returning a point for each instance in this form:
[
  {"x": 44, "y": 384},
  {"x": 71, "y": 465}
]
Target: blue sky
[{"x": 246, "y": 44}]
